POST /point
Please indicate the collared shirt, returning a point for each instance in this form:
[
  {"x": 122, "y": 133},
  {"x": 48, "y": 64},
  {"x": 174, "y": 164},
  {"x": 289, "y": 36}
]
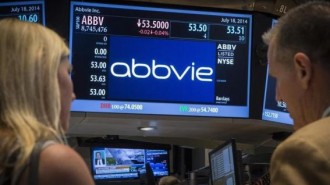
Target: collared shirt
[
  {"x": 326, "y": 113},
  {"x": 99, "y": 162}
]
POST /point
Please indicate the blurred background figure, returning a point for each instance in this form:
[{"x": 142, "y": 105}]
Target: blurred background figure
[{"x": 170, "y": 180}]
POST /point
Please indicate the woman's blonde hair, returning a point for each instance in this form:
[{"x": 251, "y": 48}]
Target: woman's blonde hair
[{"x": 29, "y": 91}]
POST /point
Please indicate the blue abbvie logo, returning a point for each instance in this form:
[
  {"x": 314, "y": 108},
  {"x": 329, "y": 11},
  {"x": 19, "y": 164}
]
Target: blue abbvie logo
[
  {"x": 152, "y": 69},
  {"x": 201, "y": 74}
]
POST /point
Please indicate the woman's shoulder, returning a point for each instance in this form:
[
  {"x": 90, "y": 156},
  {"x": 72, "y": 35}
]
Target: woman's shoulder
[
  {"x": 57, "y": 150},
  {"x": 60, "y": 164}
]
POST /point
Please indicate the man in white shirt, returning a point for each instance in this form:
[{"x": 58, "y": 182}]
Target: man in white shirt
[{"x": 99, "y": 161}]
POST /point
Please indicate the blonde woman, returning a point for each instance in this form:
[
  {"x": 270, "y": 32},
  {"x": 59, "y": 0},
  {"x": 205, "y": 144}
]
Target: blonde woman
[{"x": 35, "y": 98}]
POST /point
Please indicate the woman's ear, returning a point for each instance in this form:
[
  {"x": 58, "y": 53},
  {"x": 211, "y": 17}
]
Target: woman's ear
[{"x": 303, "y": 69}]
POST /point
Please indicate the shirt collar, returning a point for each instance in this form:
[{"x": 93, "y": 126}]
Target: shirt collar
[{"x": 326, "y": 113}]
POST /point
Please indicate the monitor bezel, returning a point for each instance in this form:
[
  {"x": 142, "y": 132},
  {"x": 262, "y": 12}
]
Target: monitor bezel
[{"x": 237, "y": 114}]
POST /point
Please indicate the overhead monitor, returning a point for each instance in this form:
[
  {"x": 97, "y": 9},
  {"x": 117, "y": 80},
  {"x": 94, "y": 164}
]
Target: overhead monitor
[
  {"x": 274, "y": 110},
  {"x": 158, "y": 59},
  {"x": 224, "y": 164},
  {"x": 113, "y": 164},
  {"x": 31, "y": 11}
]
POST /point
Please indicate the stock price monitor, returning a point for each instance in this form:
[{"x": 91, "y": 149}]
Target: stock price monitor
[
  {"x": 31, "y": 11},
  {"x": 274, "y": 110},
  {"x": 151, "y": 59}
]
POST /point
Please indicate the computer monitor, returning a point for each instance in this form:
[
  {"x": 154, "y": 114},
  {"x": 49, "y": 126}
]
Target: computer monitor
[
  {"x": 224, "y": 164},
  {"x": 129, "y": 163},
  {"x": 144, "y": 58},
  {"x": 31, "y": 11},
  {"x": 274, "y": 110}
]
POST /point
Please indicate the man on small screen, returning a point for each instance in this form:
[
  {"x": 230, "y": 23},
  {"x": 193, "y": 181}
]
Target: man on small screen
[{"x": 99, "y": 161}]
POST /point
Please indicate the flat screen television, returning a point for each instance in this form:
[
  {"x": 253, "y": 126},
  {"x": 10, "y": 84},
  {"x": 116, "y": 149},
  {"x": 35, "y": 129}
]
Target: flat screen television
[
  {"x": 224, "y": 164},
  {"x": 31, "y": 11},
  {"x": 158, "y": 59},
  {"x": 274, "y": 110},
  {"x": 112, "y": 163}
]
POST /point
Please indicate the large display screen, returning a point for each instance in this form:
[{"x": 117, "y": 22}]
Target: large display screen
[
  {"x": 223, "y": 164},
  {"x": 127, "y": 163},
  {"x": 274, "y": 110},
  {"x": 31, "y": 11},
  {"x": 158, "y": 60}
]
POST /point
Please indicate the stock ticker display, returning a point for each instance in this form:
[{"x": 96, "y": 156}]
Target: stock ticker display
[
  {"x": 274, "y": 110},
  {"x": 31, "y": 11},
  {"x": 160, "y": 60}
]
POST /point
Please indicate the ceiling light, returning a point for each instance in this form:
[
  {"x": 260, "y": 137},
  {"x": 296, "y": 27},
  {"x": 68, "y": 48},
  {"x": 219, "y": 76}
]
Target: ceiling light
[{"x": 146, "y": 128}]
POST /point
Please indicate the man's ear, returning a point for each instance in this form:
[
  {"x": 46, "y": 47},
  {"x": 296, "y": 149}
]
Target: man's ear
[{"x": 303, "y": 69}]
